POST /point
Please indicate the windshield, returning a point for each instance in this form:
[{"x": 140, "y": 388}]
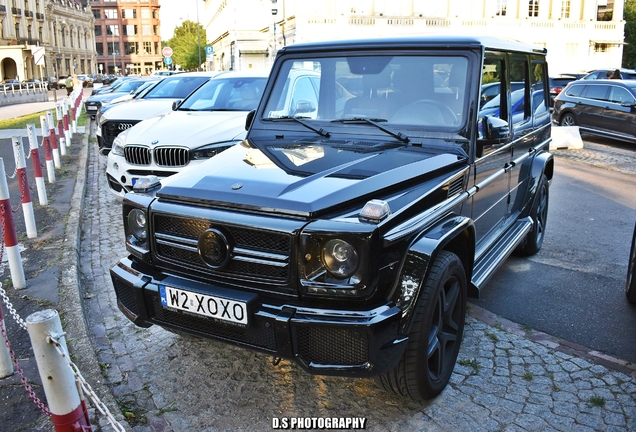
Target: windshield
[
  {"x": 415, "y": 90},
  {"x": 233, "y": 94},
  {"x": 130, "y": 85},
  {"x": 176, "y": 87}
]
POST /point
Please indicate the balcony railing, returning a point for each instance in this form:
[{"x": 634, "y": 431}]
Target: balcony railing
[
  {"x": 16, "y": 11},
  {"x": 28, "y": 14},
  {"x": 39, "y": 15}
]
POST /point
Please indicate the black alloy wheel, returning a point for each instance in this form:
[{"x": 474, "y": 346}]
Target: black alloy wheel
[
  {"x": 436, "y": 333},
  {"x": 539, "y": 215},
  {"x": 630, "y": 285},
  {"x": 568, "y": 119}
]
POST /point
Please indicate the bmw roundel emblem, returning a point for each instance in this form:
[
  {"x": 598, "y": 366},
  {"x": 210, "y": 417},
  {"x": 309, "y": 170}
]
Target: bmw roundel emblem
[
  {"x": 155, "y": 142},
  {"x": 237, "y": 186},
  {"x": 214, "y": 248}
]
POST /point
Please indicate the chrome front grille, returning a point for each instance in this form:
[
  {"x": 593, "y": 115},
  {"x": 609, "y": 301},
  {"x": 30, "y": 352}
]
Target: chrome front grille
[
  {"x": 137, "y": 155},
  {"x": 171, "y": 156},
  {"x": 256, "y": 255}
]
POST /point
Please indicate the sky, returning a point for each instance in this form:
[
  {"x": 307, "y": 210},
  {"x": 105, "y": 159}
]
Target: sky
[{"x": 172, "y": 12}]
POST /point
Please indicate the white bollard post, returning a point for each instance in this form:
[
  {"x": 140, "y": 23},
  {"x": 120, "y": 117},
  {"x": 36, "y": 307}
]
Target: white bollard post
[
  {"x": 10, "y": 237},
  {"x": 68, "y": 133},
  {"x": 6, "y": 364},
  {"x": 48, "y": 154},
  {"x": 68, "y": 410},
  {"x": 25, "y": 193},
  {"x": 72, "y": 106},
  {"x": 35, "y": 161},
  {"x": 61, "y": 130},
  {"x": 55, "y": 151}
]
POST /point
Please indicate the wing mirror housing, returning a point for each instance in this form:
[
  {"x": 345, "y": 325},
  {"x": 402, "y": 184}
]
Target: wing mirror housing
[
  {"x": 249, "y": 119},
  {"x": 176, "y": 104}
]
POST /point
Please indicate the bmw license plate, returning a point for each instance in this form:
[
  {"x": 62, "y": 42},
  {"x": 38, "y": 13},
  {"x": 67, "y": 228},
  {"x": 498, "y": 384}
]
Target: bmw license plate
[{"x": 202, "y": 304}]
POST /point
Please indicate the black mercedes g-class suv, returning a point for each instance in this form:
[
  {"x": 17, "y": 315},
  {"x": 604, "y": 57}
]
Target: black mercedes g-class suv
[{"x": 371, "y": 197}]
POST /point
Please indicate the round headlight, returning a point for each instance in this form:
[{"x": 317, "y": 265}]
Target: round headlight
[
  {"x": 340, "y": 258},
  {"x": 137, "y": 224}
]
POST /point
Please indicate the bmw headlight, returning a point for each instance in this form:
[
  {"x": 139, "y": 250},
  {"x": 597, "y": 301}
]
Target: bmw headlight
[
  {"x": 118, "y": 144},
  {"x": 340, "y": 258},
  {"x": 209, "y": 150}
]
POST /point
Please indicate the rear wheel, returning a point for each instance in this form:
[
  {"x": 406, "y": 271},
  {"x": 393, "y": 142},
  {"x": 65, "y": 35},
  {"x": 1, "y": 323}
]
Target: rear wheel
[
  {"x": 568, "y": 119},
  {"x": 539, "y": 214},
  {"x": 436, "y": 333}
]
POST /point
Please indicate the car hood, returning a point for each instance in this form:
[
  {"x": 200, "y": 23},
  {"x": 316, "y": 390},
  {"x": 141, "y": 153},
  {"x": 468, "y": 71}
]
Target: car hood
[
  {"x": 188, "y": 128},
  {"x": 311, "y": 180},
  {"x": 138, "y": 109}
]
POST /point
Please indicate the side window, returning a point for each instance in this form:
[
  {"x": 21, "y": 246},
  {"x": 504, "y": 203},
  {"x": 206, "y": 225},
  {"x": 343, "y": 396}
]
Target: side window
[
  {"x": 519, "y": 98},
  {"x": 539, "y": 88},
  {"x": 596, "y": 92},
  {"x": 576, "y": 90},
  {"x": 620, "y": 95},
  {"x": 492, "y": 79}
]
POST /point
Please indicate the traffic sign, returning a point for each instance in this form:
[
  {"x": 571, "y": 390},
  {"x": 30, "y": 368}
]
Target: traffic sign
[
  {"x": 167, "y": 61},
  {"x": 209, "y": 50},
  {"x": 167, "y": 52}
]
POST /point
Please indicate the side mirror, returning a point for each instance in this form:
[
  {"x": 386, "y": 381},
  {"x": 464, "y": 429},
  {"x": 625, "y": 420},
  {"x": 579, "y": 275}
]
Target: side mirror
[
  {"x": 176, "y": 104},
  {"x": 304, "y": 106},
  {"x": 249, "y": 119},
  {"x": 493, "y": 130}
]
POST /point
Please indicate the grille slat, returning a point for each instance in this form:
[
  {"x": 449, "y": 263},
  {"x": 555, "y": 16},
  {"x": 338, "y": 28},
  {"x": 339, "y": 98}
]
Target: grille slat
[
  {"x": 332, "y": 346},
  {"x": 171, "y": 156},
  {"x": 137, "y": 155},
  {"x": 111, "y": 129}
]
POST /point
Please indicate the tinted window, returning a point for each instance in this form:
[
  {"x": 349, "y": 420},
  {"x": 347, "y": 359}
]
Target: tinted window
[
  {"x": 575, "y": 90},
  {"x": 176, "y": 87},
  {"x": 597, "y": 92},
  {"x": 620, "y": 95}
]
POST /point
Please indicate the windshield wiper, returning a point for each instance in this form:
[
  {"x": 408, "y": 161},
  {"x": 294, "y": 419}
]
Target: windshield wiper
[
  {"x": 374, "y": 121},
  {"x": 320, "y": 131}
]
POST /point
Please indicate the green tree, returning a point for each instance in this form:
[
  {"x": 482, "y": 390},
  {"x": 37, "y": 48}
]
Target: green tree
[
  {"x": 629, "y": 49},
  {"x": 185, "y": 45}
]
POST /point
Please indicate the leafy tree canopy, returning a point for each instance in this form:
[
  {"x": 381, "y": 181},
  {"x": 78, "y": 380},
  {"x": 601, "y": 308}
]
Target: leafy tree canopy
[
  {"x": 629, "y": 49},
  {"x": 185, "y": 45}
]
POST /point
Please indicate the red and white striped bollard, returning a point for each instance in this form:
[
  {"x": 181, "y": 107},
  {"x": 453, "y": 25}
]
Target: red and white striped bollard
[
  {"x": 6, "y": 364},
  {"x": 55, "y": 151},
  {"x": 35, "y": 161},
  {"x": 23, "y": 183},
  {"x": 61, "y": 130},
  {"x": 10, "y": 237},
  {"x": 48, "y": 153}
]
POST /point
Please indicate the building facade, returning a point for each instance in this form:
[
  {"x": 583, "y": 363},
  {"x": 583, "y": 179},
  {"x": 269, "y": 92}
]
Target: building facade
[
  {"x": 40, "y": 38},
  {"x": 127, "y": 36},
  {"x": 579, "y": 34}
]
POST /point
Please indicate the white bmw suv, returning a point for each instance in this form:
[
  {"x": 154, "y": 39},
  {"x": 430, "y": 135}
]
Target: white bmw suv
[{"x": 207, "y": 122}]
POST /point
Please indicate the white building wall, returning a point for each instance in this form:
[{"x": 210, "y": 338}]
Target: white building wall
[{"x": 575, "y": 44}]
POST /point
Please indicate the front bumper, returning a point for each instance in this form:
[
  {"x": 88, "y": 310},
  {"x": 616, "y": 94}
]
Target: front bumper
[{"x": 322, "y": 341}]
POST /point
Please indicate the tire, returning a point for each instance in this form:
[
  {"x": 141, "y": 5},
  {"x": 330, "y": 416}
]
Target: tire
[
  {"x": 568, "y": 119},
  {"x": 539, "y": 214},
  {"x": 436, "y": 333},
  {"x": 630, "y": 285}
]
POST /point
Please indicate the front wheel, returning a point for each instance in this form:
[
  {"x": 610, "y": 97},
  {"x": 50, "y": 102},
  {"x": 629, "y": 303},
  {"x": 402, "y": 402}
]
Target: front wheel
[
  {"x": 539, "y": 214},
  {"x": 436, "y": 333},
  {"x": 630, "y": 286},
  {"x": 568, "y": 120}
]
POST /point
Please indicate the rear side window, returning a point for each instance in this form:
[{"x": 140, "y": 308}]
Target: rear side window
[
  {"x": 575, "y": 90},
  {"x": 596, "y": 92}
]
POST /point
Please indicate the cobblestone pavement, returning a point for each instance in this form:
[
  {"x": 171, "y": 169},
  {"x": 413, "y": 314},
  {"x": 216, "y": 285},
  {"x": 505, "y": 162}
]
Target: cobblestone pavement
[{"x": 507, "y": 378}]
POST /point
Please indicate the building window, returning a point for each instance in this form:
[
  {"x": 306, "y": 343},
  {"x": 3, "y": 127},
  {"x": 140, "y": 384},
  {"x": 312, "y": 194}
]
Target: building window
[
  {"x": 17, "y": 30},
  {"x": 157, "y": 50},
  {"x": 113, "y": 48},
  {"x": 130, "y": 30},
  {"x": 131, "y": 47},
  {"x": 148, "y": 47},
  {"x": 99, "y": 47},
  {"x": 110, "y": 13},
  {"x": 97, "y": 13},
  {"x": 98, "y": 30},
  {"x": 502, "y": 5},
  {"x": 565, "y": 9},
  {"x": 533, "y": 8},
  {"x": 70, "y": 38},
  {"x": 129, "y": 13},
  {"x": 145, "y": 13},
  {"x": 145, "y": 30},
  {"x": 600, "y": 48},
  {"x": 155, "y": 13},
  {"x": 112, "y": 30},
  {"x": 155, "y": 30}
]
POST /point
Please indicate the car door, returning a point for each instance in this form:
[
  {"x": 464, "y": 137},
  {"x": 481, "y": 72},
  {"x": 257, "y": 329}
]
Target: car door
[
  {"x": 589, "y": 108},
  {"x": 490, "y": 203},
  {"x": 619, "y": 114}
]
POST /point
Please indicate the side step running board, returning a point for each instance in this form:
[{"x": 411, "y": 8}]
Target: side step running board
[{"x": 499, "y": 252}]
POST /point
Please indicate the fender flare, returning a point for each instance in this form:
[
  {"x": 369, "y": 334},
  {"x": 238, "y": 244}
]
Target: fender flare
[{"x": 455, "y": 233}]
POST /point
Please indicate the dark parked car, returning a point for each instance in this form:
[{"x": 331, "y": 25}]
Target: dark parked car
[
  {"x": 31, "y": 83},
  {"x": 348, "y": 241},
  {"x": 94, "y": 102},
  {"x": 605, "y": 108},
  {"x": 602, "y": 74},
  {"x": 491, "y": 90},
  {"x": 630, "y": 286},
  {"x": 12, "y": 84},
  {"x": 558, "y": 83},
  {"x": 52, "y": 83}
]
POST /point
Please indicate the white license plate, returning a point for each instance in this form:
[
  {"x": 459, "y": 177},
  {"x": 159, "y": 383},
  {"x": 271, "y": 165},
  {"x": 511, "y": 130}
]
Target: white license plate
[{"x": 205, "y": 305}]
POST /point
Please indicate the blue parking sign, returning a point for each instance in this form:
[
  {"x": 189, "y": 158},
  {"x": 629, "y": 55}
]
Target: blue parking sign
[
  {"x": 209, "y": 50},
  {"x": 167, "y": 61}
]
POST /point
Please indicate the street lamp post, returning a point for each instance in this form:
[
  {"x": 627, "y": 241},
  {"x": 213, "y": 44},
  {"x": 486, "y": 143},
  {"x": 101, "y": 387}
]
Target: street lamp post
[{"x": 198, "y": 36}]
